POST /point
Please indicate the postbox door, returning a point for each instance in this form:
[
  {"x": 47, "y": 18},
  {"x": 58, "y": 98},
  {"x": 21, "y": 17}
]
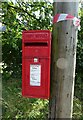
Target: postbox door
[{"x": 36, "y": 78}]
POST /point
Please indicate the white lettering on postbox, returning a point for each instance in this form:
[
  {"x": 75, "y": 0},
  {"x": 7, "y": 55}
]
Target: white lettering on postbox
[{"x": 37, "y": 35}]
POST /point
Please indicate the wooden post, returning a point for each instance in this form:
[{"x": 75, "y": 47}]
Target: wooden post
[{"x": 63, "y": 62}]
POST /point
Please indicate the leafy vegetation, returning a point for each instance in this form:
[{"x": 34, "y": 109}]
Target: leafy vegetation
[
  {"x": 16, "y": 18},
  {"x": 79, "y": 68}
]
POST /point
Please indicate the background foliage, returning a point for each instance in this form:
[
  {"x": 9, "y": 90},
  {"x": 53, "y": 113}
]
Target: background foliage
[{"x": 18, "y": 17}]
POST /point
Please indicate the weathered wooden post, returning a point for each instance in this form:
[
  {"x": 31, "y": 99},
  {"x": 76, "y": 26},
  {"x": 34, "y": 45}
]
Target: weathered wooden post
[{"x": 63, "y": 62}]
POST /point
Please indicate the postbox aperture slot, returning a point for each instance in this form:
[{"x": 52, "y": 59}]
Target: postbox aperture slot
[{"x": 36, "y": 44}]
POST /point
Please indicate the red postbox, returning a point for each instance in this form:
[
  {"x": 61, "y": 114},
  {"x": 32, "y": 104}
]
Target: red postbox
[{"x": 36, "y": 50}]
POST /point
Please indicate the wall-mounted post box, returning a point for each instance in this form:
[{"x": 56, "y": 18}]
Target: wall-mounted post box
[{"x": 36, "y": 49}]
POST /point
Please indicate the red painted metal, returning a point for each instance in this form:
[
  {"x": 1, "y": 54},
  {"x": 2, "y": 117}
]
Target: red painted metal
[{"x": 36, "y": 51}]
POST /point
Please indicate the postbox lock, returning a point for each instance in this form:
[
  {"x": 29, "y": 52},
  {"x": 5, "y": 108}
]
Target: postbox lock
[{"x": 35, "y": 59}]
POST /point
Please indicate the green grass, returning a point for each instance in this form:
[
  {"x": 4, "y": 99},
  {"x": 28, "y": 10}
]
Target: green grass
[
  {"x": 18, "y": 107},
  {"x": 77, "y": 109}
]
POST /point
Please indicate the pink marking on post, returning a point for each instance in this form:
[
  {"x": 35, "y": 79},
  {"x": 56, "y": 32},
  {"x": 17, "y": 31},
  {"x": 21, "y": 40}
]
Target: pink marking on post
[
  {"x": 55, "y": 19},
  {"x": 69, "y": 17}
]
